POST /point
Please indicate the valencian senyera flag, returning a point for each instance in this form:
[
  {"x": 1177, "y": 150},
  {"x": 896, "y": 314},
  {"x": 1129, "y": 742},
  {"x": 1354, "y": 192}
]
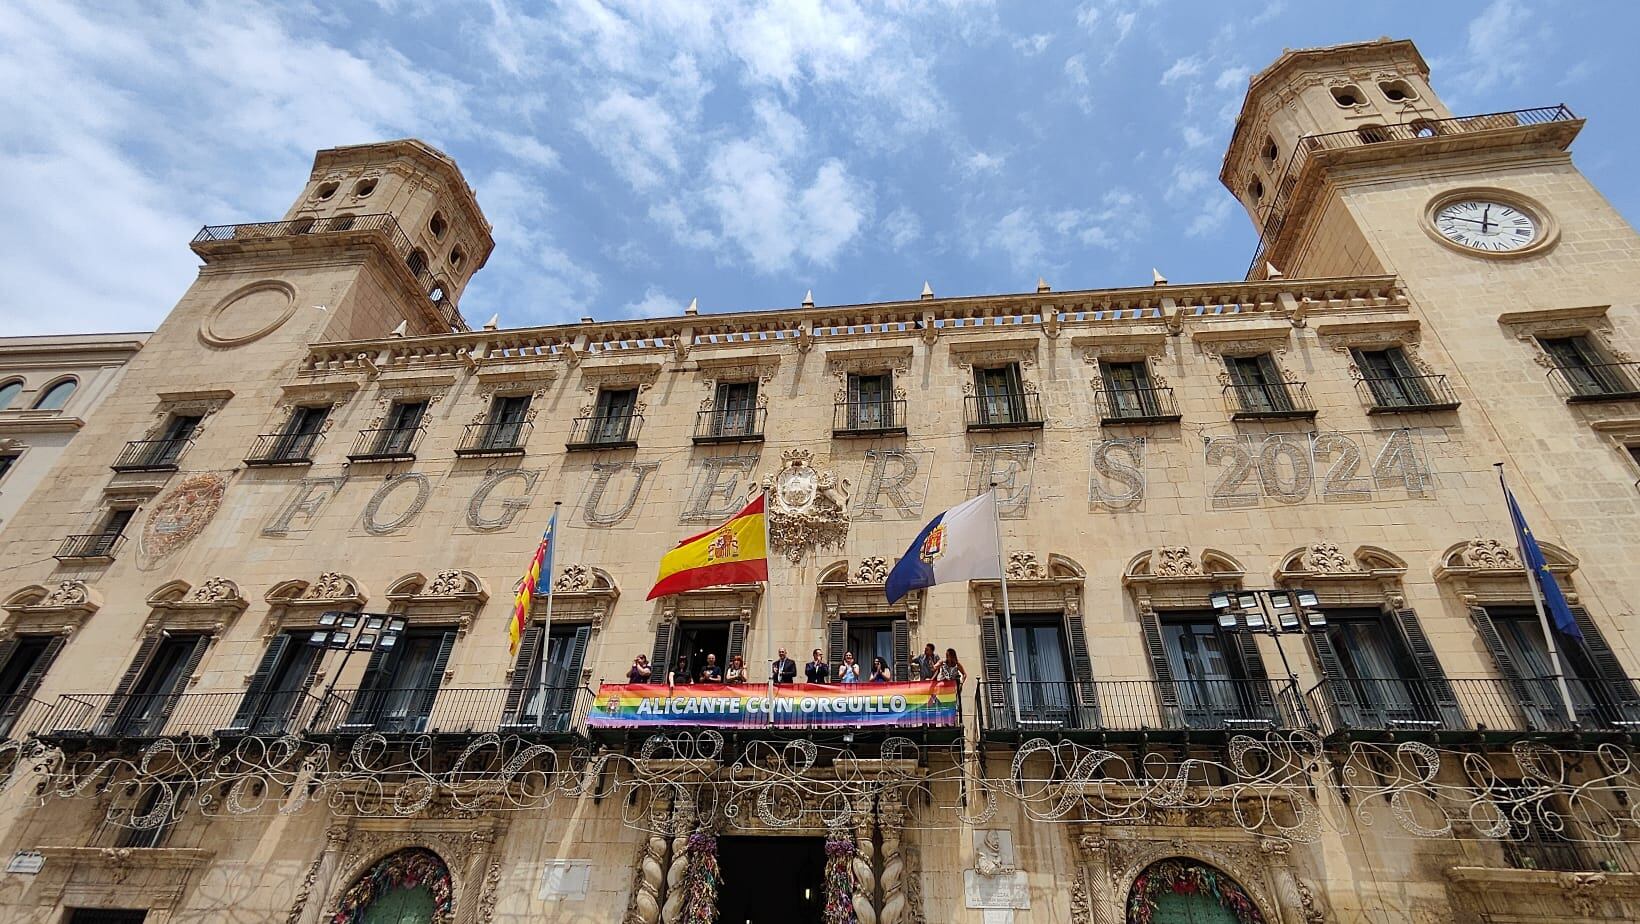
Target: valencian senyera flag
[
  {"x": 537, "y": 580},
  {"x": 1560, "y": 613},
  {"x": 960, "y": 544},
  {"x": 734, "y": 553}
]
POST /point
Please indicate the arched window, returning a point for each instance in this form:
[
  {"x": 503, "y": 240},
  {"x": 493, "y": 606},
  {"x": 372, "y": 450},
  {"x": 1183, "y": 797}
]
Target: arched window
[
  {"x": 437, "y": 226},
  {"x": 1256, "y": 189},
  {"x": 1397, "y": 91},
  {"x": 342, "y": 222},
  {"x": 409, "y": 886},
  {"x": 53, "y": 398},
  {"x": 1348, "y": 96},
  {"x": 1182, "y": 889},
  {"x": 8, "y": 392}
]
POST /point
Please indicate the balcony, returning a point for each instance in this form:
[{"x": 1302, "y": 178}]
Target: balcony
[
  {"x": 1119, "y": 406},
  {"x": 1021, "y": 411},
  {"x": 1405, "y": 394},
  {"x": 214, "y": 240},
  {"x": 90, "y": 547},
  {"x": 725, "y": 425},
  {"x": 1147, "y": 706},
  {"x": 1597, "y": 382},
  {"x": 495, "y": 438},
  {"x": 151, "y": 455},
  {"x": 452, "y": 712},
  {"x": 868, "y": 418},
  {"x": 386, "y": 444},
  {"x": 272, "y": 449},
  {"x": 1274, "y": 401},
  {"x": 1471, "y": 706},
  {"x": 1431, "y": 133},
  {"x": 609, "y": 431},
  {"x": 21, "y": 716},
  {"x": 87, "y": 716}
]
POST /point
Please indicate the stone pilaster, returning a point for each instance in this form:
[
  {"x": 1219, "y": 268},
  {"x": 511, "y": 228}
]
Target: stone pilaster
[
  {"x": 646, "y": 897},
  {"x": 309, "y": 906},
  {"x": 891, "y": 821},
  {"x": 863, "y": 864},
  {"x": 1100, "y": 904},
  {"x": 683, "y": 822}
]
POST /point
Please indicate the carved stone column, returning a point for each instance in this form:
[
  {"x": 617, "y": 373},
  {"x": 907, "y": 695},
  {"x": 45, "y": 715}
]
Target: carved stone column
[
  {"x": 683, "y": 822},
  {"x": 469, "y": 907},
  {"x": 863, "y": 865},
  {"x": 890, "y": 821},
  {"x": 1101, "y": 906},
  {"x": 315, "y": 892},
  {"x": 1294, "y": 900},
  {"x": 646, "y": 895}
]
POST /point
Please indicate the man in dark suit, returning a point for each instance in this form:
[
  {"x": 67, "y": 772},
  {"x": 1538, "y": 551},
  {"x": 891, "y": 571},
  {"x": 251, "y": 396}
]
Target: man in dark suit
[
  {"x": 785, "y": 669},
  {"x": 817, "y": 670}
]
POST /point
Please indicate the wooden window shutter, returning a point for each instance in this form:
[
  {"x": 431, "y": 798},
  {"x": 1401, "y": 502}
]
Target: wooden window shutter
[
  {"x": 836, "y": 644},
  {"x": 1611, "y": 674},
  {"x": 660, "y": 657},
  {"x": 253, "y": 702},
  {"x": 1429, "y": 668},
  {"x": 1167, "y": 691},
  {"x": 1340, "y": 695},
  {"x": 133, "y": 673},
  {"x": 189, "y": 665},
  {"x": 902, "y": 650},
  {"x": 529, "y": 652},
  {"x": 22, "y": 696},
  {"x": 1082, "y": 669},
  {"x": 996, "y": 680},
  {"x": 1258, "y": 679},
  {"x": 435, "y": 679},
  {"x": 367, "y": 700},
  {"x": 563, "y": 705},
  {"x": 1538, "y": 715},
  {"x": 7, "y": 647},
  {"x": 737, "y": 642}
]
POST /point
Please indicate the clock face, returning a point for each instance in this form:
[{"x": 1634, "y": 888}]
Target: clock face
[{"x": 1486, "y": 225}]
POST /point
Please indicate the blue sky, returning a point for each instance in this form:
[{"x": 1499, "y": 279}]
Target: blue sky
[{"x": 634, "y": 154}]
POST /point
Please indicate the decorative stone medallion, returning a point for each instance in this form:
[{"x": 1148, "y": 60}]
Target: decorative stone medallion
[
  {"x": 808, "y": 507},
  {"x": 180, "y": 515}
]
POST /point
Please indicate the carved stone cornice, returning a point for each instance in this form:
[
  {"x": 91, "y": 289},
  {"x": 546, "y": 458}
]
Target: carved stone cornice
[
  {"x": 211, "y": 606},
  {"x": 451, "y": 593},
  {"x": 61, "y": 609},
  {"x": 332, "y": 591},
  {"x": 150, "y": 877},
  {"x": 1121, "y": 345},
  {"x": 1173, "y": 575},
  {"x": 584, "y": 593},
  {"x": 1032, "y": 585},
  {"x": 1485, "y": 569},
  {"x": 860, "y": 592}
]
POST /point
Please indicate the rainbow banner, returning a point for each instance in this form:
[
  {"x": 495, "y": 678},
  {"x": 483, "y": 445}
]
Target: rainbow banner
[{"x": 800, "y": 705}]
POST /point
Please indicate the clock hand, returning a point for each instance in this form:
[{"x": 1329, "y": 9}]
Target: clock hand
[{"x": 1485, "y": 215}]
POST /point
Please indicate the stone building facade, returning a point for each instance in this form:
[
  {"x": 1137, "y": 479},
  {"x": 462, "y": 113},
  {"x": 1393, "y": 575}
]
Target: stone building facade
[{"x": 1189, "y": 737}]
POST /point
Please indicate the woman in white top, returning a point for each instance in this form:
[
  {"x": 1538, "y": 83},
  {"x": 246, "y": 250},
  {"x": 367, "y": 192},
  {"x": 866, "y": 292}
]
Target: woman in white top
[{"x": 848, "y": 671}]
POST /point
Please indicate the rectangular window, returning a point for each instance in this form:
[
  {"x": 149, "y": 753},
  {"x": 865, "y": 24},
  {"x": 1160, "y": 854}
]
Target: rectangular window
[
  {"x": 697, "y": 646},
  {"x": 401, "y": 682},
  {"x": 1585, "y": 368},
  {"x": 7, "y": 460},
  {"x": 1392, "y": 378},
  {"x": 504, "y": 429},
  {"x": 735, "y": 409},
  {"x": 145, "y": 709},
  {"x": 1383, "y": 682},
  {"x": 612, "y": 417},
  {"x": 1043, "y": 661},
  {"x": 1210, "y": 676},
  {"x": 402, "y": 425},
  {"x": 109, "y": 533},
  {"x": 173, "y": 440},
  {"x": 870, "y": 402},
  {"x": 279, "y": 687},
  {"x": 300, "y": 434},
  {"x": 1258, "y": 383},
  {"x": 868, "y": 639},
  {"x": 555, "y": 692},
  {"x": 20, "y": 675},
  {"x": 1633, "y": 450},
  {"x": 1001, "y": 395},
  {"x": 1128, "y": 392},
  {"x": 106, "y": 916}
]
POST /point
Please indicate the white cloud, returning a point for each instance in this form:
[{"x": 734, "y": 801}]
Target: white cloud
[
  {"x": 654, "y": 304},
  {"x": 1187, "y": 180},
  {"x": 1210, "y": 216},
  {"x": 1194, "y": 137},
  {"x": 637, "y": 134},
  {"x": 1498, "y": 40},
  {"x": 1033, "y": 45},
  {"x": 902, "y": 227},
  {"x": 1181, "y": 69},
  {"x": 981, "y": 162},
  {"x": 762, "y": 211},
  {"x": 1017, "y": 236},
  {"x": 531, "y": 270},
  {"x": 1233, "y": 78}
]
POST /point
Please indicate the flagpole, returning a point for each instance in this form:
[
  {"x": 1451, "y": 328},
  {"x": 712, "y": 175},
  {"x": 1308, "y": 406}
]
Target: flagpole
[
  {"x": 1537, "y": 601},
  {"x": 546, "y": 627},
  {"x": 1007, "y": 613},
  {"x": 768, "y": 606}
]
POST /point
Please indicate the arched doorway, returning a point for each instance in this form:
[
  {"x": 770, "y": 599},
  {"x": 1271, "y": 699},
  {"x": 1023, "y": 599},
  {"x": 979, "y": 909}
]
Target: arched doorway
[
  {"x": 1180, "y": 890},
  {"x": 408, "y": 887}
]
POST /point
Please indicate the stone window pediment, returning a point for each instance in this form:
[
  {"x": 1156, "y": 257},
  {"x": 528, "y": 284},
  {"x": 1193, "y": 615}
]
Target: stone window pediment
[
  {"x": 1488, "y": 570},
  {"x": 1369, "y": 576},
  {"x": 61, "y": 609},
  {"x": 210, "y": 607},
  {"x": 297, "y": 604},
  {"x": 451, "y": 593},
  {"x": 1056, "y": 586},
  {"x": 1121, "y": 345},
  {"x": 156, "y": 878},
  {"x": 858, "y": 591},
  {"x": 583, "y": 593},
  {"x": 731, "y": 601},
  {"x": 1175, "y": 577}
]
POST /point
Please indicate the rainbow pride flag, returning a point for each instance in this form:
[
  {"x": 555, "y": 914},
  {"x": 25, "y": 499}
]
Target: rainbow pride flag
[{"x": 804, "y": 705}]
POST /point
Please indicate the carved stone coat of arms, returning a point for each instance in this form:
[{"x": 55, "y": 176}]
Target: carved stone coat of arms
[{"x": 807, "y": 507}]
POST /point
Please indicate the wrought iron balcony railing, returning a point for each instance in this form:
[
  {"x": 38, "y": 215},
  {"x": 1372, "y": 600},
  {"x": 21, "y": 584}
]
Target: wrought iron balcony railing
[
  {"x": 1275, "y": 213},
  {"x": 1542, "y": 849},
  {"x": 1136, "y": 405},
  {"x": 90, "y": 546},
  {"x": 453, "y": 711},
  {"x": 21, "y": 716},
  {"x": 1404, "y": 393},
  {"x": 1021, "y": 410},
  {"x": 386, "y": 444},
  {"x": 730, "y": 425},
  {"x": 1141, "y": 705},
  {"x": 495, "y": 438},
  {"x": 283, "y": 449},
  {"x": 869, "y": 418},
  {"x": 212, "y": 238},
  {"x": 1484, "y": 704},
  {"x": 1597, "y": 381},
  {"x": 151, "y": 455},
  {"x": 139, "y": 715},
  {"x": 605, "y": 431},
  {"x": 1272, "y": 401}
]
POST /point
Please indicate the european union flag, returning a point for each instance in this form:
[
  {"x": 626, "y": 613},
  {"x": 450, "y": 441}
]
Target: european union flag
[{"x": 1560, "y": 613}]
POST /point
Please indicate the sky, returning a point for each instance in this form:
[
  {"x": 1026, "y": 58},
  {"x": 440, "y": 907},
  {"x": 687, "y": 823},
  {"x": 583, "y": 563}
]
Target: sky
[{"x": 635, "y": 154}]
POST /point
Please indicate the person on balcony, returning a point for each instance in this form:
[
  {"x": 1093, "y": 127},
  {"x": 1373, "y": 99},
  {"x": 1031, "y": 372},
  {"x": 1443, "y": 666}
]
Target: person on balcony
[
  {"x": 817, "y": 670},
  {"x": 926, "y": 664},
  {"x": 951, "y": 668},
  {"x": 680, "y": 674},
  {"x": 640, "y": 671},
  {"x": 711, "y": 672},
  {"x": 785, "y": 669},
  {"x": 737, "y": 670},
  {"x": 880, "y": 672},
  {"x": 849, "y": 670}
]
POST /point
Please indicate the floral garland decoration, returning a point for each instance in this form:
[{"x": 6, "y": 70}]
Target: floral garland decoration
[
  {"x": 839, "y": 881},
  {"x": 1183, "y": 877},
  {"x": 701, "y": 880},
  {"x": 407, "y": 869}
]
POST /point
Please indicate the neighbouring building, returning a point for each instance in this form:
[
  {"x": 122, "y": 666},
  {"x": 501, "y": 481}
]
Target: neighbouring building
[
  {"x": 48, "y": 386},
  {"x": 1275, "y": 657}
]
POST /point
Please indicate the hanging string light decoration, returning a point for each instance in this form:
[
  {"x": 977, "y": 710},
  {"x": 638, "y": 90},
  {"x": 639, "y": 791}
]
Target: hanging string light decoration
[
  {"x": 839, "y": 880},
  {"x": 702, "y": 880},
  {"x": 1183, "y": 877}
]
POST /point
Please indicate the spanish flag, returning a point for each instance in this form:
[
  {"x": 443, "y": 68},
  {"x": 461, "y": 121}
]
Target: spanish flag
[
  {"x": 537, "y": 580},
  {"x": 734, "y": 553}
]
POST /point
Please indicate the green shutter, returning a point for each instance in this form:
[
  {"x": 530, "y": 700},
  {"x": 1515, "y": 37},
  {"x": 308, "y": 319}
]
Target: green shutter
[
  {"x": 1167, "y": 691},
  {"x": 255, "y": 699},
  {"x": 1340, "y": 695},
  {"x": 996, "y": 680},
  {"x": 1082, "y": 671},
  {"x": 1537, "y": 715},
  {"x": 1429, "y": 669},
  {"x": 529, "y": 653},
  {"x": 660, "y": 657},
  {"x": 1613, "y": 678},
  {"x": 836, "y": 644},
  {"x": 563, "y": 705},
  {"x": 902, "y": 650}
]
